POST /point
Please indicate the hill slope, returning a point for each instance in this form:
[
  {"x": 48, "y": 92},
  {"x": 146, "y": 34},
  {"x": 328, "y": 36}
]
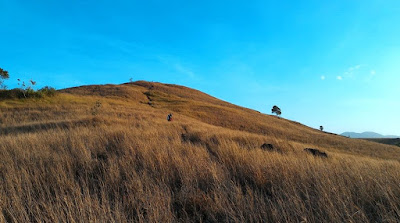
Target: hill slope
[
  {"x": 388, "y": 141},
  {"x": 107, "y": 153},
  {"x": 207, "y": 109}
]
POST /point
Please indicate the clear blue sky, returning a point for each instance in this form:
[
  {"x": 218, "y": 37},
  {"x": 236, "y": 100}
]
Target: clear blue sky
[{"x": 330, "y": 63}]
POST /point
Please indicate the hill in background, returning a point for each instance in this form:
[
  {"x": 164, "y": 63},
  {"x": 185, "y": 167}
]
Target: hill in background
[
  {"x": 367, "y": 135},
  {"x": 106, "y": 153}
]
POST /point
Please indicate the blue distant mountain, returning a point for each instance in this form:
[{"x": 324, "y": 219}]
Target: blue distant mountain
[{"x": 367, "y": 135}]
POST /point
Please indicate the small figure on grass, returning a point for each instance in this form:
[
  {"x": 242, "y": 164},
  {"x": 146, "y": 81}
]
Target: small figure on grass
[{"x": 169, "y": 117}]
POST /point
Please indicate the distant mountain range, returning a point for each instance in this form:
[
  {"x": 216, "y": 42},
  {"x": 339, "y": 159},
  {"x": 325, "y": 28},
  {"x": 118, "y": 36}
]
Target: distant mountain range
[{"x": 367, "y": 135}]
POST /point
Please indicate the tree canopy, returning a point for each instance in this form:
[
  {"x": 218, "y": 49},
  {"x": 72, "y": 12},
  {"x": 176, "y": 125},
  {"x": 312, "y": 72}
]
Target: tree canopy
[
  {"x": 3, "y": 75},
  {"x": 276, "y": 110}
]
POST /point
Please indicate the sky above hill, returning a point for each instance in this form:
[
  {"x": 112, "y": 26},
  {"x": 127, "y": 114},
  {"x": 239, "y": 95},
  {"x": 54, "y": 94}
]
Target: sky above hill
[{"x": 330, "y": 63}]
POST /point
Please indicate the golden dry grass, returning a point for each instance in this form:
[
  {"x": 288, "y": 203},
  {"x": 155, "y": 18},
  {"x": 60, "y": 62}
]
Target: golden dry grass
[{"x": 61, "y": 163}]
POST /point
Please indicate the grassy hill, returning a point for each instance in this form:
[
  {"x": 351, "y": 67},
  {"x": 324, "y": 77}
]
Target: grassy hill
[
  {"x": 105, "y": 153},
  {"x": 388, "y": 141}
]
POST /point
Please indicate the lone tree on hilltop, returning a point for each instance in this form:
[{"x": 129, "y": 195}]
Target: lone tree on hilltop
[
  {"x": 3, "y": 75},
  {"x": 276, "y": 110}
]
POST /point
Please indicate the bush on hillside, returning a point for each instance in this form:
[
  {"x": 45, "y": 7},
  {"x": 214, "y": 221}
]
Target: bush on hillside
[
  {"x": 19, "y": 93},
  {"x": 47, "y": 91}
]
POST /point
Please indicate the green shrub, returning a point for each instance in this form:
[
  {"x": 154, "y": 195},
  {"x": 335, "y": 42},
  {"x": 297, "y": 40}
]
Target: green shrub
[
  {"x": 48, "y": 91},
  {"x": 19, "y": 93},
  {"x": 10, "y": 94}
]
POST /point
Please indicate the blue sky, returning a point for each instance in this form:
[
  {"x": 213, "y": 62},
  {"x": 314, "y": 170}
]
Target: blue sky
[{"x": 330, "y": 63}]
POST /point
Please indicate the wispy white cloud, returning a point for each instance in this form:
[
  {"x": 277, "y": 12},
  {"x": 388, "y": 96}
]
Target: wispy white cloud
[
  {"x": 175, "y": 64},
  {"x": 130, "y": 49},
  {"x": 357, "y": 72},
  {"x": 351, "y": 71},
  {"x": 178, "y": 67}
]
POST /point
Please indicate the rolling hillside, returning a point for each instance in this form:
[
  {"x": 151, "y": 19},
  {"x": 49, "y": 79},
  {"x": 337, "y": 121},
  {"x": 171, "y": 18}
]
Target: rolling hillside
[
  {"x": 105, "y": 153},
  {"x": 388, "y": 141},
  {"x": 206, "y": 109}
]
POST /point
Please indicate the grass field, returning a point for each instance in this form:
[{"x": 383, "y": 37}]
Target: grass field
[
  {"x": 388, "y": 141},
  {"x": 107, "y": 154}
]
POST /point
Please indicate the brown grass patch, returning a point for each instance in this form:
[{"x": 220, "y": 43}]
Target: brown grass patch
[{"x": 59, "y": 163}]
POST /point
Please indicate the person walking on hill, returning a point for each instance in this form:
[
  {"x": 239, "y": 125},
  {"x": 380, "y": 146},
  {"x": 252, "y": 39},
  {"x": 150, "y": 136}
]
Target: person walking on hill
[{"x": 169, "y": 117}]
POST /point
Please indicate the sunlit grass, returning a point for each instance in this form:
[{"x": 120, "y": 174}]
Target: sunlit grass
[{"x": 59, "y": 162}]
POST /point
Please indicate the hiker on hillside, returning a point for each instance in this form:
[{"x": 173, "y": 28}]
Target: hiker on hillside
[{"x": 169, "y": 117}]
